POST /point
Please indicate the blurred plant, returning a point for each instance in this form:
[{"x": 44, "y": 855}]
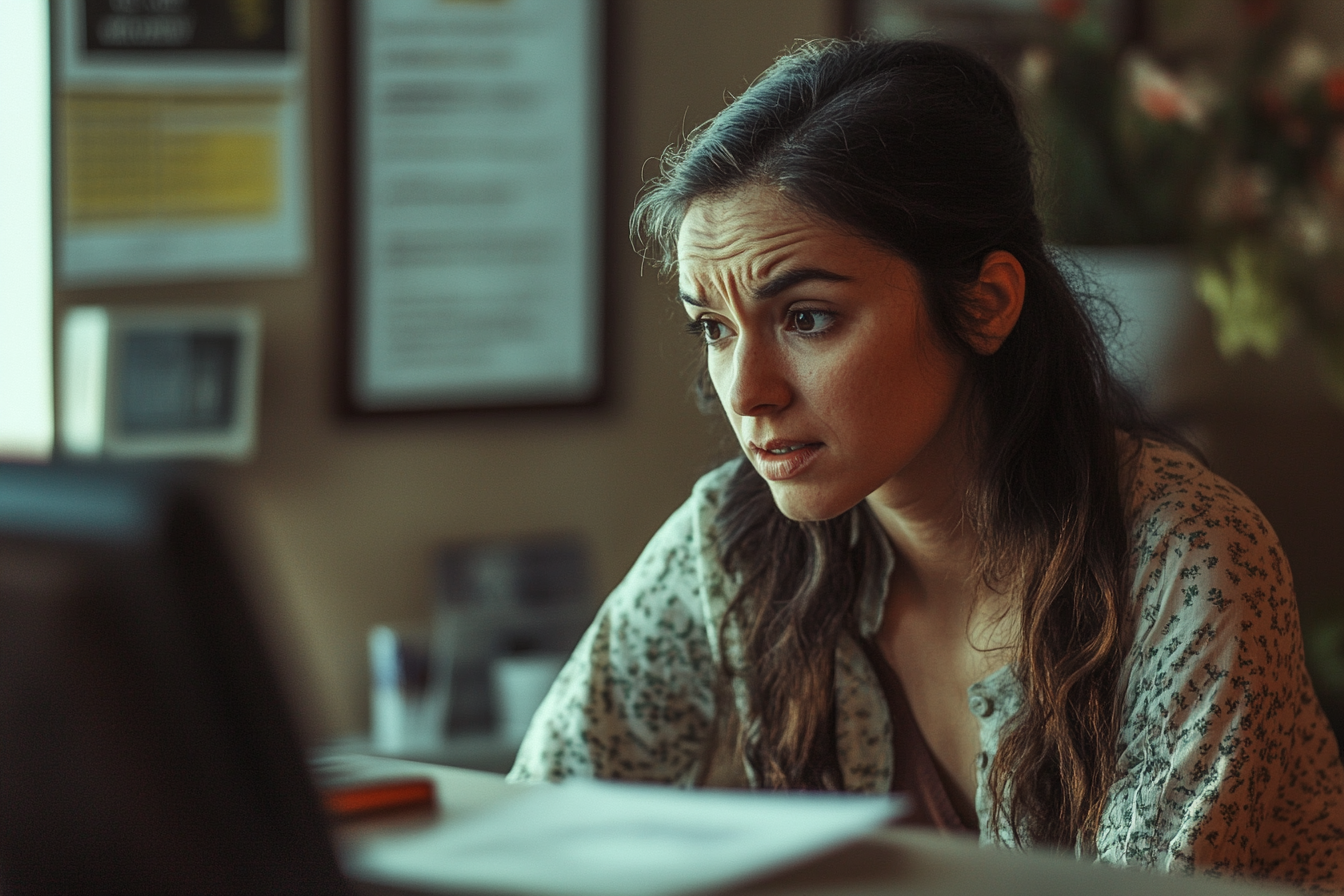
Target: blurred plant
[
  {"x": 1271, "y": 241},
  {"x": 1240, "y": 158},
  {"x": 1124, "y": 140}
]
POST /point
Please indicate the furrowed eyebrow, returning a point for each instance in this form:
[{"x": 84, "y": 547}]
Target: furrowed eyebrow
[
  {"x": 777, "y": 285},
  {"x": 790, "y": 279}
]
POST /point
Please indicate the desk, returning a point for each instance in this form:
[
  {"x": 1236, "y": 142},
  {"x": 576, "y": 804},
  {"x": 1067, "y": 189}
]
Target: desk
[{"x": 894, "y": 860}]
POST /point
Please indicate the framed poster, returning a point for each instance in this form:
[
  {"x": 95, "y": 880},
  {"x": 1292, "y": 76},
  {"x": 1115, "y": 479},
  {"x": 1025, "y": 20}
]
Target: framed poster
[
  {"x": 475, "y": 196},
  {"x": 181, "y": 140}
]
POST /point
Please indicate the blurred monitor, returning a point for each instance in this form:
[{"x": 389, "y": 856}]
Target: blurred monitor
[
  {"x": 144, "y": 744},
  {"x": 159, "y": 383}
]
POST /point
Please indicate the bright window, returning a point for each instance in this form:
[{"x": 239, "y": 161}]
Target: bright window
[{"x": 26, "y": 419}]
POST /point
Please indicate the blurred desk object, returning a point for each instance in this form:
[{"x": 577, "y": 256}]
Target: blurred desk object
[
  {"x": 507, "y": 614},
  {"x": 903, "y": 860},
  {"x": 470, "y": 753}
]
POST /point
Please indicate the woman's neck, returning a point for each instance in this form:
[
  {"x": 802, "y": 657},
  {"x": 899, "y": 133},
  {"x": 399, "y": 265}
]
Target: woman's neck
[{"x": 922, "y": 512}]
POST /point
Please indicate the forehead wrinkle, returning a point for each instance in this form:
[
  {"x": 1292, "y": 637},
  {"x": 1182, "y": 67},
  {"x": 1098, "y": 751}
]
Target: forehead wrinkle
[
  {"x": 737, "y": 244},
  {"x": 760, "y": 252}
]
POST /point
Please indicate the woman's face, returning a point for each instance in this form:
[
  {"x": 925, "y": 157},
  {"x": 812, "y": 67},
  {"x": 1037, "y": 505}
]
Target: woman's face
[{"x": 822, "y": 353}]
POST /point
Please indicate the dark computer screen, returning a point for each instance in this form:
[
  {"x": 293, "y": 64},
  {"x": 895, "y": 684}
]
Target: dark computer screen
[{"x": 144, "y": 744}]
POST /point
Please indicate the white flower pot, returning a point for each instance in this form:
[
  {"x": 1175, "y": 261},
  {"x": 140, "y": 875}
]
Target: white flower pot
[{"x": 1150, "y": 287}]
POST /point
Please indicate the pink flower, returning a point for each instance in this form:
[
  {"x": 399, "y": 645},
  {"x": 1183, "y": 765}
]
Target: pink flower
[{"x": 1163, "y": 97}]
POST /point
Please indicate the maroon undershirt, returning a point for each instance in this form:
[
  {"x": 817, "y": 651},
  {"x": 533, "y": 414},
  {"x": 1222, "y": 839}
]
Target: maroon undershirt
[{"x": 914, "y": 770}]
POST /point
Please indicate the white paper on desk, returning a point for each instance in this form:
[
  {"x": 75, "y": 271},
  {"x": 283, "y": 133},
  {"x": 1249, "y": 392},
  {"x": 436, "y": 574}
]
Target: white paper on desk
[{"x": 589, "y": 838}]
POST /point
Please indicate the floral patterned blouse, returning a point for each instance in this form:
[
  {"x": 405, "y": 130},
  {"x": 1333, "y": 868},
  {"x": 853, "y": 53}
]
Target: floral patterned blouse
[{"x": 1226, "y": 763}]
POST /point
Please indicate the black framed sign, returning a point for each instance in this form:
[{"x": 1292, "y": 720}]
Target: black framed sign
[{"x": 475, "y": 204}]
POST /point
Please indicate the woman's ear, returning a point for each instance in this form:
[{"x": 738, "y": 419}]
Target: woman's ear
[{"x": 996, "y": 301}]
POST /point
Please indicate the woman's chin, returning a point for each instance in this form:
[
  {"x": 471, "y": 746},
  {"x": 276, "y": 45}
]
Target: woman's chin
[{"x": 806, "y": 505}]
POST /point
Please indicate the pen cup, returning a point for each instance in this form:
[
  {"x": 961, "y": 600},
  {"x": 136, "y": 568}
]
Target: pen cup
[{"x": 408, "y": 707}]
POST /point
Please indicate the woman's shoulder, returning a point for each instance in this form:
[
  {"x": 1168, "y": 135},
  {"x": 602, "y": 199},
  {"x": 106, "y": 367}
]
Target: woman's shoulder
[
  {"x": 700, "y": 508},
  {"x": 1216, "y": 696},
  {"x": 1162, "y": 471},
  {"x": 709, "y": 490},
  {"x": 1174, "y": 495},
  {"x": 692, "y": 524},
  {"x": 637, "y": 698},
  {"x": 681, "y": 559},
  {"x": 1209, "y": 575}
]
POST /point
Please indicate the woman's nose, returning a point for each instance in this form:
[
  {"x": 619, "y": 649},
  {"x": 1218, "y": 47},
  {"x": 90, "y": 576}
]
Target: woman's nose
[{"x": 758, "y": 384}]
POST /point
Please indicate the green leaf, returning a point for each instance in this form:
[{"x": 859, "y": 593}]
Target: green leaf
[{"x": 1248, "y": 308}]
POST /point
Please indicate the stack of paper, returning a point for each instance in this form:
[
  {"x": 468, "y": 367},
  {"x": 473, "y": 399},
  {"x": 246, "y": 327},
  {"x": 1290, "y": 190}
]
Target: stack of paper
[{"x": 588, "y": 838}]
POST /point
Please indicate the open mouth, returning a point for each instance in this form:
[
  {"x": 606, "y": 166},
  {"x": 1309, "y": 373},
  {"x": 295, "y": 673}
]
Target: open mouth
[
  {"x": 781, "y": 459},
  {"x": 789, "y": 449}
]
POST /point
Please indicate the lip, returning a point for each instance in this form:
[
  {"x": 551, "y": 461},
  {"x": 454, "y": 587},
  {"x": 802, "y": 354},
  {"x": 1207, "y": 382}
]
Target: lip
[{"x": 778, "y": 467}]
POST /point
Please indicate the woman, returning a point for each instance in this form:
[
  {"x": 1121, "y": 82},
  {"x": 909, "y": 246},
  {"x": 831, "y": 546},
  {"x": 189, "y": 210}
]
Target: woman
[{"x": 950, "y": 561}]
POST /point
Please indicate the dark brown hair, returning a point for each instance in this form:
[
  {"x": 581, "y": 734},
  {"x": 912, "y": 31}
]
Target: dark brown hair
[{"x": 917, "y": 146}]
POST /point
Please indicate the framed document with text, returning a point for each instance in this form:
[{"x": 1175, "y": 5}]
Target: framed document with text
[{"x": 474, "y": 273}]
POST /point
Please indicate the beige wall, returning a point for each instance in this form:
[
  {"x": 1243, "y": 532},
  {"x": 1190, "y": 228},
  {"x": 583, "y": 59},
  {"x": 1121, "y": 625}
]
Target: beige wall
[{"x": 340, "y": 518}]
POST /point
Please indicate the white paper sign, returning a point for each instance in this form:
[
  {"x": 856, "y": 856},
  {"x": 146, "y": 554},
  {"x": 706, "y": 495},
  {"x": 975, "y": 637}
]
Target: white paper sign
[{"x": 477, "y": 192}]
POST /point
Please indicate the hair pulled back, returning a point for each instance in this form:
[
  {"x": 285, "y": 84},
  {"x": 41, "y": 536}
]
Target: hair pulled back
[{"x": 917, "y": 147}]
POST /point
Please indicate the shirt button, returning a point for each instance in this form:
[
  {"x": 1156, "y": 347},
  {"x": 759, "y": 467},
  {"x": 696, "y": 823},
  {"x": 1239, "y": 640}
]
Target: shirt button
[
  {"x": 982, "y": 706},
  {"x": 983, "y": 760}
]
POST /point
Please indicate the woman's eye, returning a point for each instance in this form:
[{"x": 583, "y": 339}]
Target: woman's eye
[
  {"x": 811, "y": 322},
  {"x": 708, "y": 329}
]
